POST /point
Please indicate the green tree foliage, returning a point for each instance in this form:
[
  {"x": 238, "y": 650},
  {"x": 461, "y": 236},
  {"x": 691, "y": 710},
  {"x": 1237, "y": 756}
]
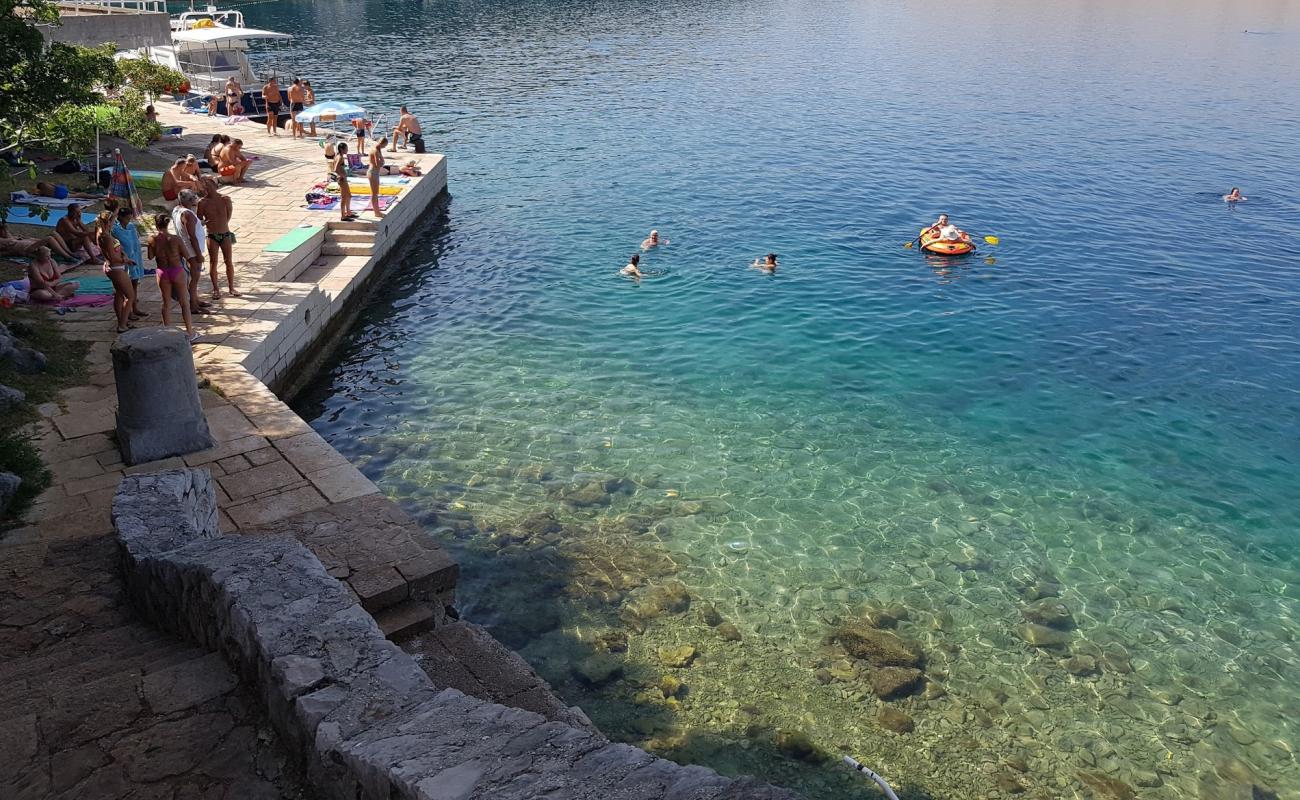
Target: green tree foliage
[
  {"x": 56, "y": 96},
  {"x": 149, "y": 77}
]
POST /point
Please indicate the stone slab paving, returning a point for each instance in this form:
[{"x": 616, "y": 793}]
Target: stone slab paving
[{"x": 93, "y": 701}]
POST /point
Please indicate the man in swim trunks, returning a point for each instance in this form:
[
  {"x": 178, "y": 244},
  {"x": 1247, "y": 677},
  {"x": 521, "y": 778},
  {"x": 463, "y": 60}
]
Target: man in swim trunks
[
  {"x": 44, "y": 284},
  {"x": 176, "y": 178},
  {"x": 409, "y": 131},
  {"x": 653, "y": 240},
  {"x": 233, "y": 161},
  {"x": 215, "y": 209},
  {"x": 271, "y": 96},
  {"x": 75, "y": 233},
  {"x": 26, "y": 248},
  {"x": 296, "y": 97},
  {"x": 166, "y": 250}
]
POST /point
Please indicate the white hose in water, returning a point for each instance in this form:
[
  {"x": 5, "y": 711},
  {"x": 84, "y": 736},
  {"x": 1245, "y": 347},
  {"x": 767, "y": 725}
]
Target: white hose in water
[{"x": 884, "y": 787}]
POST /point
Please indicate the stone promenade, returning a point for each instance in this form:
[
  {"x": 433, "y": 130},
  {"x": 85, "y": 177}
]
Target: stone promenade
[{"x": 96, "y": 703}]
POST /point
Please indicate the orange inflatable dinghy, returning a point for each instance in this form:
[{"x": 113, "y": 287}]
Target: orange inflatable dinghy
[{"x": 931, "y": 243}]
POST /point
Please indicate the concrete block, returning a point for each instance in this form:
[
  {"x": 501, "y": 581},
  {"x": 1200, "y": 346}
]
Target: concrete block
[{"x": 159, "y": 413}]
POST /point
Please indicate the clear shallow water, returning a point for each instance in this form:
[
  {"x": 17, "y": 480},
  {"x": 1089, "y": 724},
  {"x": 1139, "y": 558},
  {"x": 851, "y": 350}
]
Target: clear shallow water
[{"x": 1110, "y": 407}]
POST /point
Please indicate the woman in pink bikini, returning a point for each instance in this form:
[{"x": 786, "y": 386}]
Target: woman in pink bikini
[
  {"x": 115, "y": 264},
  {"x": 166, "y": 251}
]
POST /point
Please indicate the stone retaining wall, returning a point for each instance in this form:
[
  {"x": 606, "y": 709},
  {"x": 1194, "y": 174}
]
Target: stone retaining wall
[{"x": 367, "y": 720}]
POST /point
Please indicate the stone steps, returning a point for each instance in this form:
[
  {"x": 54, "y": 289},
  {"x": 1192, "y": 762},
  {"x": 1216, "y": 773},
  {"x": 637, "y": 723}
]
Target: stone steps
[
  {"x": 405, "y": 619},
  {"x": 363, "y": 237},
  {"x": 346, "y": 249},
  {"x": 354, "y": 225}
]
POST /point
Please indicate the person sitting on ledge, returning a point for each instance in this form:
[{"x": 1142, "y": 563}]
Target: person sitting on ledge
[{"x": 44, "y": 282}]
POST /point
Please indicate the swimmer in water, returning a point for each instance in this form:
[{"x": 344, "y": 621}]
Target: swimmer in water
[
  {"x": 631, "y": 270},
  {"x": 653, "y": 240},
  {"x": 767, "y": 263},
  {"x": 1234, "y": 196}
]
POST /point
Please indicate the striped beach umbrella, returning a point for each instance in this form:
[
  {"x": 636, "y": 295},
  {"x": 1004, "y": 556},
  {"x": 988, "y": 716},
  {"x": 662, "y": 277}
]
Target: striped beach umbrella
[{"x": 122, "y": 186}]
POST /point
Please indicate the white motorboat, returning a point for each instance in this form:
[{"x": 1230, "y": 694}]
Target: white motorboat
[{"x": 211, "y": 46}]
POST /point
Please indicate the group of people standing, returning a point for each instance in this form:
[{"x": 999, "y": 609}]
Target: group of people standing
[{"x": 197, "y": 229}]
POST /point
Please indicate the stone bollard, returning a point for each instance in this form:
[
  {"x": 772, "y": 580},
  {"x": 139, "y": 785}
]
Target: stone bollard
[{"x": 158, "y": 409}]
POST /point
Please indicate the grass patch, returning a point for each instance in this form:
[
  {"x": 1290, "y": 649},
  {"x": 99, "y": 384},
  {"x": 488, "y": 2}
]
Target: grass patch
[{"x": 66, "y": 368}]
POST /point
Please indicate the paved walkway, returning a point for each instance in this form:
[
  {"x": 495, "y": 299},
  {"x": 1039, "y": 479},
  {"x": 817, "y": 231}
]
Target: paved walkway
[{"x": 95, "y": 703}]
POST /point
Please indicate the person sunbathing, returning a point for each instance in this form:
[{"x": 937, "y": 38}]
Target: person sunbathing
[
  {"x": 44, "y": 284},
  {"x": 75, "y": 233},
  {"x": 26, "y": 248},
  {"x": 60, "y": 191}
]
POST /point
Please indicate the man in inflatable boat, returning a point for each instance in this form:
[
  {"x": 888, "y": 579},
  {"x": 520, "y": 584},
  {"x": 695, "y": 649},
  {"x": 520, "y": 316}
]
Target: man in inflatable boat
[{"x": 946, "y": 231}]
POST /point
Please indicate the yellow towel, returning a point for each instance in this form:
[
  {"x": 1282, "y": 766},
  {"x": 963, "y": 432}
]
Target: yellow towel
[{"x": 364, "y": 188}]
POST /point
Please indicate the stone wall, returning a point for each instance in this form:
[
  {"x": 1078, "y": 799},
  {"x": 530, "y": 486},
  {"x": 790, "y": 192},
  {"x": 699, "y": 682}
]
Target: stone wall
[
  {"x": 91, "y": 26},
  {"x": 368, "y": 721}
]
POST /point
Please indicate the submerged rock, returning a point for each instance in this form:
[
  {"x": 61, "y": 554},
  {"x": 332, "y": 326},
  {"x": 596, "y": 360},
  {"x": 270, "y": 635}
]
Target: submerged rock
[
  {"x": 1105, "y": 787},
  {"x": 1051, "y": 614},
  {"x": 1043, "y": 636},
  {"x": 671, "y": 686},
  {"x": 677, "y": 657},
  {"x": 799, "y": 745},
  {"x": 655, "y": 601},
  {"x": 885, "y": 616},
  {"x": 710, "y": 616},
  {"x": 877, "y": 647},
  {"x": 1008, "y": 783},
  {"x": 728, "y": 632},
  {"x": 1080, "y": 666},
  {"x": 538, "y": 524},
  {"x": 891, "y": 719},
  {"x": 612, "y": 641},
  {"x": 598, "y": 670},
  {"x": 889, "y": 683}
]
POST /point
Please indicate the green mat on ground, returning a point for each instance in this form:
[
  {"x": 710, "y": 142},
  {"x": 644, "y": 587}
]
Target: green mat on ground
[{"x": 293, "y": 239}]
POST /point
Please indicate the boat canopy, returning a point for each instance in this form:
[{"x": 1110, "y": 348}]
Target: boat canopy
[{"x": 217, "y": 36}]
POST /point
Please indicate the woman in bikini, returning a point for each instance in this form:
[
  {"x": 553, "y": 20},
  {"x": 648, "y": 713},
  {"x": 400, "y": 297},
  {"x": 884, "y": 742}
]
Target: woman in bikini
[
  {"x": 376, "y": 168},
  {"x": 340, "y": 173},
  {"x": 166, "y": 250},
  {"x": 115, "y": 264}
]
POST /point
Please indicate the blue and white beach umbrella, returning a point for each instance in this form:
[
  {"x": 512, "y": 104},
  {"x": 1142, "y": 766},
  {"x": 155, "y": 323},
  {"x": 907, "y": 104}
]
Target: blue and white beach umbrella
[{"x": 331, "y": 111}]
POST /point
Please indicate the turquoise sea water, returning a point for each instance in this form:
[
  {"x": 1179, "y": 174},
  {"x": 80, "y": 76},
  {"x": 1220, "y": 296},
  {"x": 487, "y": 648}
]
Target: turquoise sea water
[{"x": 1106, "y": 406}]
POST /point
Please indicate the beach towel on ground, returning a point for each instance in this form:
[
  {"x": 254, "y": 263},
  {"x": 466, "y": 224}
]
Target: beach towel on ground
[
  {"x": 89, "y": 293},
  {"x": 22, "y": 215},
  {"x": 332, "y": 204},
  {"x": 27, "y": 198}
]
